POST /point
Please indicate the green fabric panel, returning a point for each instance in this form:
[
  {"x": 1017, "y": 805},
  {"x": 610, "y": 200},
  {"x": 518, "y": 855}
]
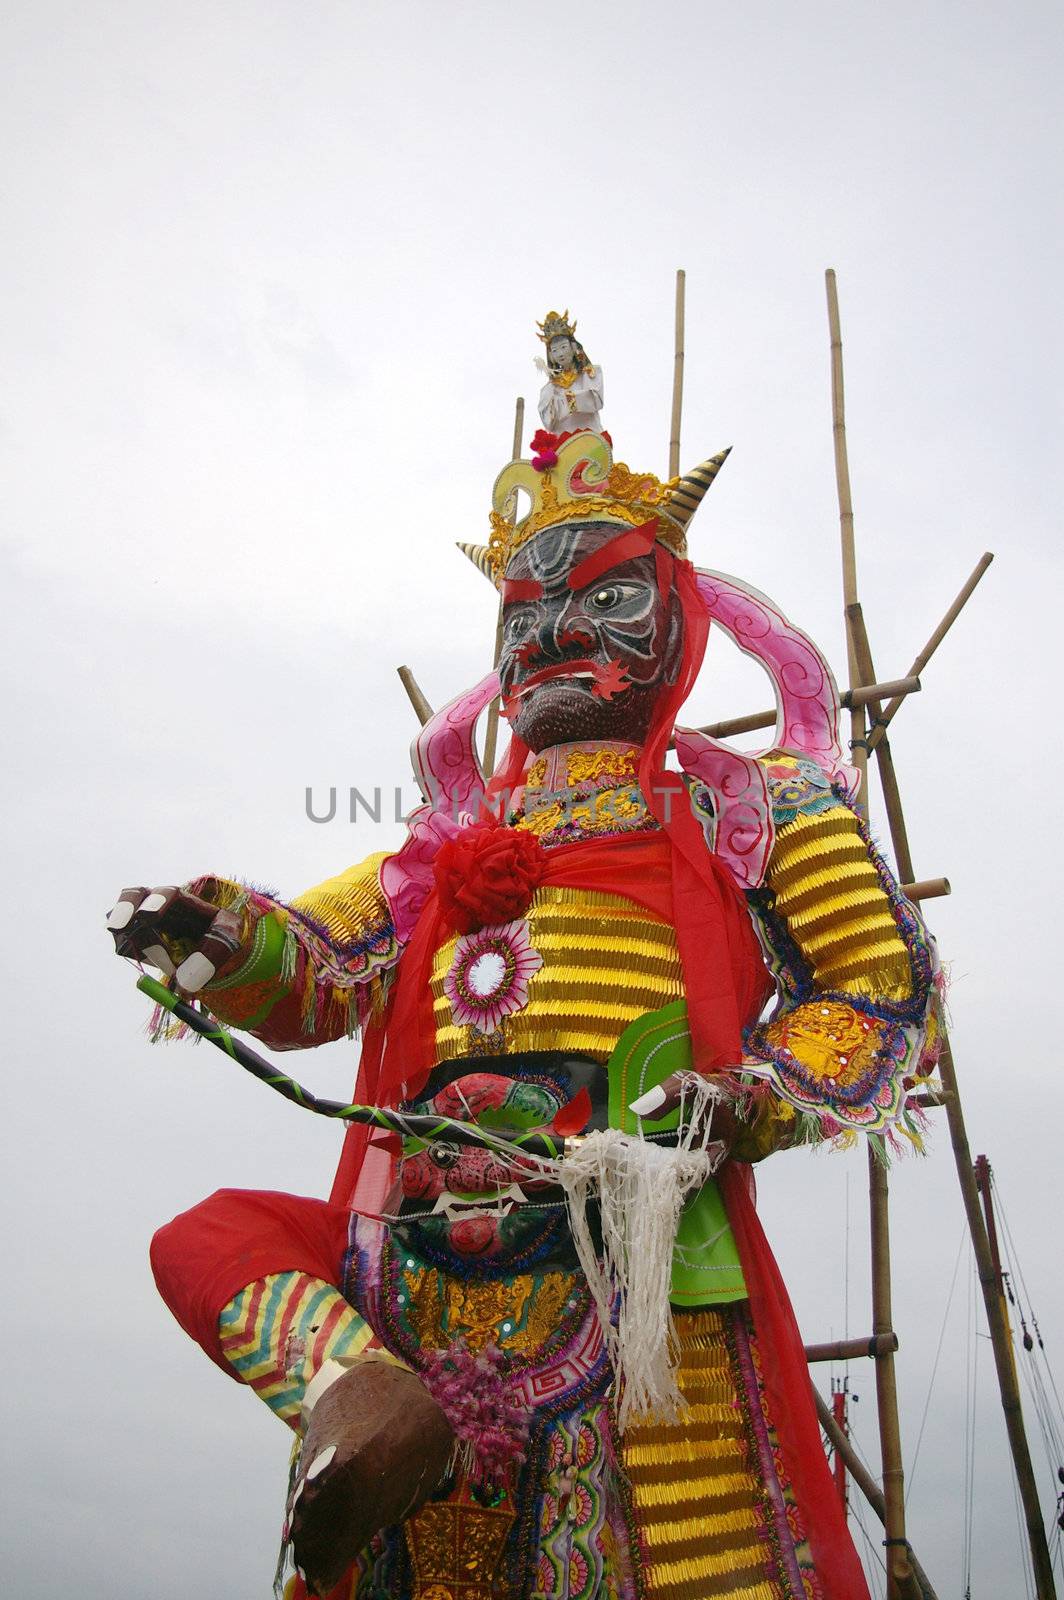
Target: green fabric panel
[
  {"x": 264, "y": 958},
  {"x": 705, "y": 1261},
  {"x": 264, "y": 961},
  {"x": 649, "y": 1050}
]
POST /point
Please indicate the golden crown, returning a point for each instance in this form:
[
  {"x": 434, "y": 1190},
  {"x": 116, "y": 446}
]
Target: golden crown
[
  {"x": 585, "y": 484},
  {"x": 556, "y": 325}
]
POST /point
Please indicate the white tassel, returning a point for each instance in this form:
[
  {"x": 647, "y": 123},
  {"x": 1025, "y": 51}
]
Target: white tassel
[{"x": 641, "y": 1190}]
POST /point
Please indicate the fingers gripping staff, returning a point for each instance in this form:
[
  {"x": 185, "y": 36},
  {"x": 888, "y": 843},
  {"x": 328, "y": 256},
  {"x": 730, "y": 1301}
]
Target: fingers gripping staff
[{"x": 185, "y": 936}]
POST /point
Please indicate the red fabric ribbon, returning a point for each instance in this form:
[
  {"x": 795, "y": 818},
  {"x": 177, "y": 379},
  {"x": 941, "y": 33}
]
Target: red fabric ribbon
[{"x": 785, "y": 1375}]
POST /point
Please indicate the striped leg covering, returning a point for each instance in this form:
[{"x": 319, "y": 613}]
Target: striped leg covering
[{"x": 277, "y": 1333}]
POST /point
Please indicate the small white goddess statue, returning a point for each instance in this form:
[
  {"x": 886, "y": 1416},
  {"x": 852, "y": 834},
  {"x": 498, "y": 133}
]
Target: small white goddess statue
[{"x": 572, "y": 396}]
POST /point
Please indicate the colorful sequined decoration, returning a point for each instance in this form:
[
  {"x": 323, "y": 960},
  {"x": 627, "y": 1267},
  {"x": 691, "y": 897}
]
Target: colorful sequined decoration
[
  {"x": 314, "y": 967},
  {"x": 583, "y": 1535},
  {"x": 582, "y": 792},
  {"x": 716, "y": 1518},
  {"x": 853, "y": 963},
  {"x": 605, "y": 962},
  {"x": 828, "y": 893},
  {"x": 456, "y": 1548}
]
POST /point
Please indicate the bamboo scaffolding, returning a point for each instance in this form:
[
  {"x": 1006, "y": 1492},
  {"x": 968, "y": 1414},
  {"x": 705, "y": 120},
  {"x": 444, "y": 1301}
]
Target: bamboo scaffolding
[
  {"x": 889, "y": 712},
  {"x": 867, "y": 1485},
  {"x": 900, "y": 1580},
  {"x": 491, "y": 732},
  {"x": 677, "y": 376},
  {"x": 926, "y": 889},
  {"x": 989, "y": 1279},
  {"x": 862, "y": 669},
  {"x": 1045, "y": 1587},
  {"x": 860, "y": 696},
  {"x": 849, "y": 1349},
  {"x": 897, "y": 689},
  {"x": 422, "y": 709}
]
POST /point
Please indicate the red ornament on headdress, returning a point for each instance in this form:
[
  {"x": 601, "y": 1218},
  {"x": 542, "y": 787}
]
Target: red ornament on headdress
[{"x": 544, "y": 447}]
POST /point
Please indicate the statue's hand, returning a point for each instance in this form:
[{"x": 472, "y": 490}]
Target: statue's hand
[
  {"x": 182, "y": 934},
  {"x": 666, "y": 1096},
  {"x": 376, "y": 1447}
]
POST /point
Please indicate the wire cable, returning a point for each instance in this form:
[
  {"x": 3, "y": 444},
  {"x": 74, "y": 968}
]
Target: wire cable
[{"x": 934, "y": 1368}]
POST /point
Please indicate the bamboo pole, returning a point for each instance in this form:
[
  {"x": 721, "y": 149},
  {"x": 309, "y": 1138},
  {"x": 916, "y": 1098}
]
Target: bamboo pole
[
  {"x": 851, "y": 1349},
  {"x": 926, "y": 889},
  {"x": 932, "y": 644},
  {"x": 899, "y": 1572},
  {"x": 842, "y": 465},
  {"x": 1045, "y": 1589},
  {"x": 860, "y": 696},
  {"x": 898, "y": 1568},
  {"x": 421, "y": 706},
  {"x": 867, "y": 1485},
  {"x": 491, "y": 732},
  {"x": 888, "y": 780},
  {"x": 677, "y": 376}
]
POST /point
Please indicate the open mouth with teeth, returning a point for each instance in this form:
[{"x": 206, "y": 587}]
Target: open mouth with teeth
[
  {"x": 607, "y": 679},
  {"x": 499, "y": 1204}
]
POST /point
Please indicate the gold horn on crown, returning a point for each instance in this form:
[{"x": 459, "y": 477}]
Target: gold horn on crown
[
  {"x": 687, "y": 495},
  {"x": 480, "y": 556}
]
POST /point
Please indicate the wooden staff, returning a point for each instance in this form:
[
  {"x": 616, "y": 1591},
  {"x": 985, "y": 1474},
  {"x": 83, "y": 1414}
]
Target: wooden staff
[
  {"x": 900, "y": 1578},
  {"x": 677, "y": 377},
  {"x": 431, "y": 1127},
  {"x": 491, "y": 734}
]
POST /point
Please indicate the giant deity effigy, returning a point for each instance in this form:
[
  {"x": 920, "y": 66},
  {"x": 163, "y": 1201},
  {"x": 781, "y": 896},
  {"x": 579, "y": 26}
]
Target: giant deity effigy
[{"x": 564, "y": 1368}]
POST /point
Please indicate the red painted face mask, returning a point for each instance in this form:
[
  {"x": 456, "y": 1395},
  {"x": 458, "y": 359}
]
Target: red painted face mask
[{"x": 591, "y": 637}]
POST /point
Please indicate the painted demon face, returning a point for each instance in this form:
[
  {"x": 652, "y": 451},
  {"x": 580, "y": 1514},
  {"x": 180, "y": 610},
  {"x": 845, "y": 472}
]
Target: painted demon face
[
  {"x": 476, "y": 1199},
  {"x": 589, "y": 645}
]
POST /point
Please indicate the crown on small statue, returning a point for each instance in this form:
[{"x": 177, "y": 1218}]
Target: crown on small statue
[{"x": 556, "y": 325}]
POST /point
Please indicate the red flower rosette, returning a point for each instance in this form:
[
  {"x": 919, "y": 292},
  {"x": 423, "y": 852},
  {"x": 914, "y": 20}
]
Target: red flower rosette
[
  {"x": 488, "y": 875},
  {"x": 544, "y": 449}
]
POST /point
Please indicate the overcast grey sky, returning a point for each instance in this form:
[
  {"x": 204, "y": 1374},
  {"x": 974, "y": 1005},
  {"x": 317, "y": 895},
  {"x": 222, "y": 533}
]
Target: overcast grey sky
[{"x": 268, "y": 292}]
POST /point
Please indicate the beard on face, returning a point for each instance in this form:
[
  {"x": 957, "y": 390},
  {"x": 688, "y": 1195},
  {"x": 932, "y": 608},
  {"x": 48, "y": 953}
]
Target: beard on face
[
  {"x": 618, "y": 631},
  {"x": 570, "y": 713}
]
